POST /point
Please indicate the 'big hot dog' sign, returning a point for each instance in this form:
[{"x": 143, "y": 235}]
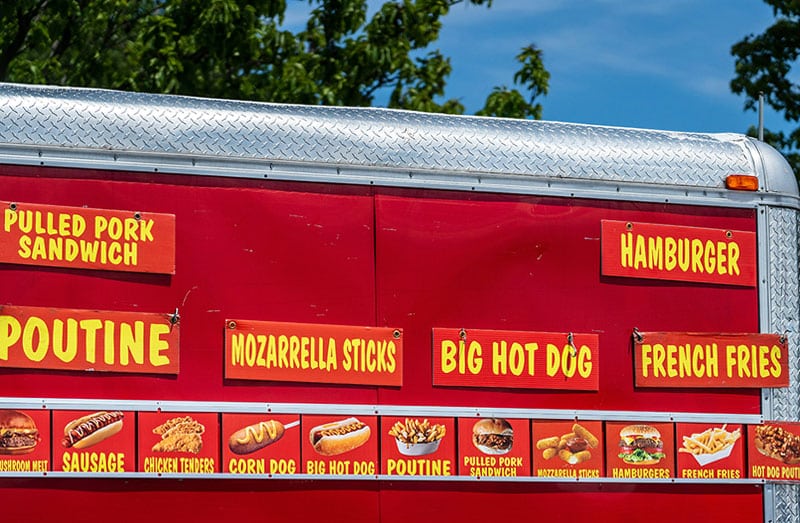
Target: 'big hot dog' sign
[{"x": 515, "y": 359}]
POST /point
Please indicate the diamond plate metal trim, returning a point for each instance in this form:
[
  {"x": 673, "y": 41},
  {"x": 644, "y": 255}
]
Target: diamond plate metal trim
[
  {"x": 783, "y": 307},
  {"x": 367, "y": 137}
]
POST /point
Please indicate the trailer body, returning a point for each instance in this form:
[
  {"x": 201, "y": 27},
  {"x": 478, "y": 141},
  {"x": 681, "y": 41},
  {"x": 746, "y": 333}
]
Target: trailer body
[{"x": 390, "y": 219}]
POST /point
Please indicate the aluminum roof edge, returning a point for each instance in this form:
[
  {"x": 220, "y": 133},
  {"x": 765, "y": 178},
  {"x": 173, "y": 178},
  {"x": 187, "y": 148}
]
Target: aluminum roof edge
[{"x": 102, "y": 129}]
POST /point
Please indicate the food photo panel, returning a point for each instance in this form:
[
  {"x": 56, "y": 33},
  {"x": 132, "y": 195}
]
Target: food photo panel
[
  {"x": 710, "y": 451},
  {"x": 490, "y": 447},
  {"x": 261, "y": 443},
  {"x": 567, "y": 449},
  {"x": 640, "y": 450},
  {"x": 25, "y": 440},
  {"x": 418, "y": 446},
  {"x": 179, "y": 442},
  {"x": 339, "y": 445},
  {"x": 94, "y": 441}
]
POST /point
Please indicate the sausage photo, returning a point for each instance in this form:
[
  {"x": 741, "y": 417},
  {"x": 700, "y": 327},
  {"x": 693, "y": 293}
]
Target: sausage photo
[
  {"x": 90, "y": 430},
  {"x": 339, "y": 437},
  {"x": 255, "y": 437}
]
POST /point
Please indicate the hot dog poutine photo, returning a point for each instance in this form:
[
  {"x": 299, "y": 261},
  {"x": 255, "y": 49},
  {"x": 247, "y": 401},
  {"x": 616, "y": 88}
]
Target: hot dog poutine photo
[{"x": 774, "y": 451}]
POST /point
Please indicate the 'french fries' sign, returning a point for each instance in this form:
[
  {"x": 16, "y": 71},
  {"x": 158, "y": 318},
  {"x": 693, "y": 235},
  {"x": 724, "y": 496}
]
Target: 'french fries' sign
[
  {"x": 675, "y": 359},
  {"x": 515, "y": 359},
  {"x": 679, "y": 253}
]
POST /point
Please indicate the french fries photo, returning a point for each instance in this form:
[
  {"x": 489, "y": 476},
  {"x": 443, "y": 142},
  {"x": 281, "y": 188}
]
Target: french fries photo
[{"x": 710, "y": 445}]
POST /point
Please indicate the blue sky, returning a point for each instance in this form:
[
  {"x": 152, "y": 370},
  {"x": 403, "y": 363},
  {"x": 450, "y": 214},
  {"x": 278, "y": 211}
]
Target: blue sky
[{"x": 658, "y": 64}]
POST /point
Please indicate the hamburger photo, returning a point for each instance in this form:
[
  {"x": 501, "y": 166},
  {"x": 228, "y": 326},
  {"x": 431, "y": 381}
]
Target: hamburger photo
[
  {"x": 18, "y": 432},
  {"x": 640, "y": 445},
  {"x": 493, "y": 436}
]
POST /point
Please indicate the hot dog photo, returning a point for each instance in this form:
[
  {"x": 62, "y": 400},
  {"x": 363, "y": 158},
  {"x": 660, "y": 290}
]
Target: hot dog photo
[
  {"x": 340, "y": 445},
  {"x": 261, "y": 443},
  {"x": 94, "y": 441}
]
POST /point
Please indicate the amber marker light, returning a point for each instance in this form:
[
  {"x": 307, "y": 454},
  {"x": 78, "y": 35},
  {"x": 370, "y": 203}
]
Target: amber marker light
[{"x": 742, "y": 182}]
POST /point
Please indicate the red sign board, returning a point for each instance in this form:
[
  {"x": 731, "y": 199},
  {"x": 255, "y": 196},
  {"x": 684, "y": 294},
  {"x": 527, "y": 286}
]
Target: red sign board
[
  {"x": 316, "y": 353},
  {"x": 94, "y": 441},
  {"x": 261, "y": 444},
  {"x": 677, "y": 359},
  {"x": 493, "y": 447},
  {"x": 70, "y": 339},
  {"x": 708, "y": 451},
  {"x": 83, "y": 238},
  {"x": 672, "y": 252},
  {"x": 515, "y": 359},
  {"x": 178, "y": 442},
  {"x": 773, "y": 451}
]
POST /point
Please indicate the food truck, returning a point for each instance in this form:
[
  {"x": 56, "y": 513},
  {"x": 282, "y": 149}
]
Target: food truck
[{"x": 218, "y": 309}]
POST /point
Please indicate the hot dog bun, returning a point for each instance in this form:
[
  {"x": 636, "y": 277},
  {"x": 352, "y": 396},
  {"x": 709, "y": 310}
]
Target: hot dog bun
[
  {"x": 255, "y": 437},
  {"x": 339, "y": 437},
  {"x": 91, "y": 429}
]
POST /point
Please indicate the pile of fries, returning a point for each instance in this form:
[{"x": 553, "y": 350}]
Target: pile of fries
[
  {"x": 414, "y": 431},
  {"x": 710, "y": 441}
]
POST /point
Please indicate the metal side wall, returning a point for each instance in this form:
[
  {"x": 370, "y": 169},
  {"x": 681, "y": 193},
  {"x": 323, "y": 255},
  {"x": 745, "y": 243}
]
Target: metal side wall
[{"x": 779, "y": 310}]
